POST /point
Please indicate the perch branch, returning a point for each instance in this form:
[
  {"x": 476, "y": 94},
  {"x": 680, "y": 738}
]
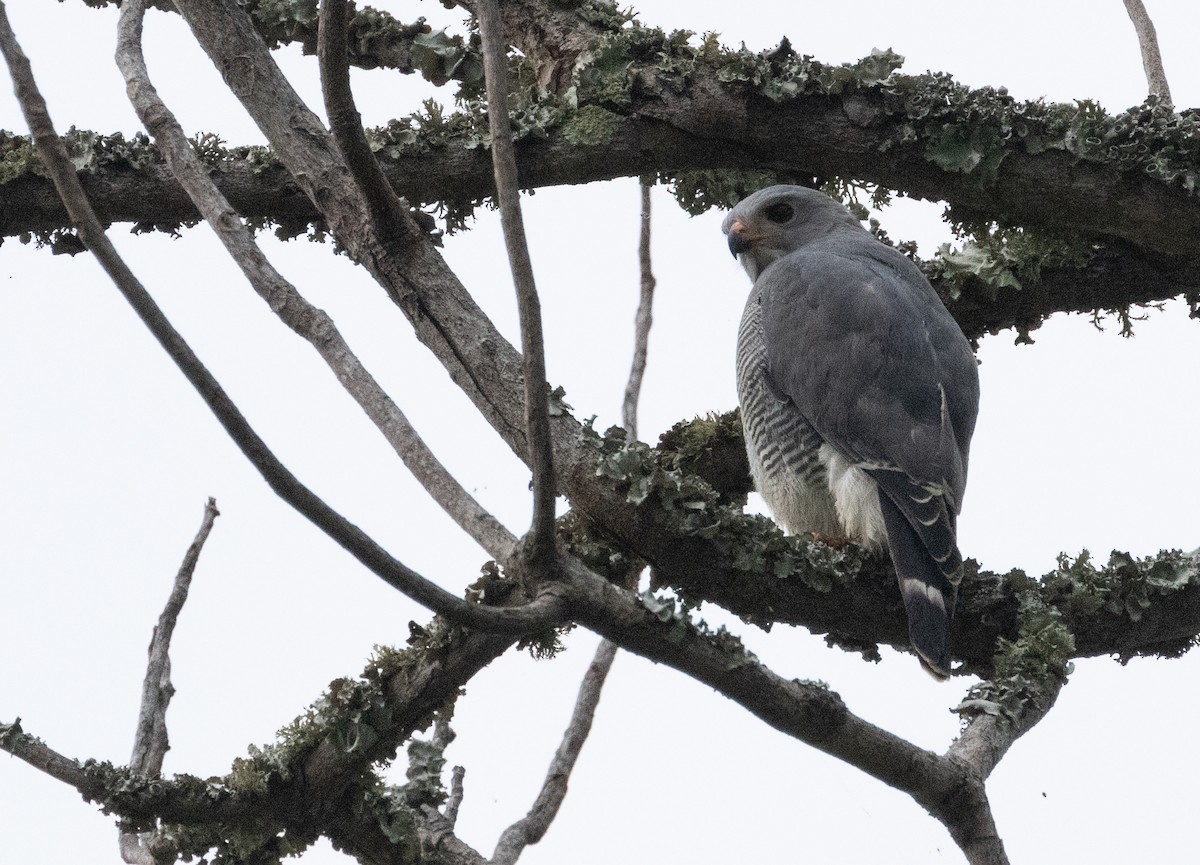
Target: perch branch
[
  {"x": 1156, "y": 76},
  {"x": 54, "y": 156},
  {"x": 537, "y": 394},
  {"x": 305, "y": 319}
]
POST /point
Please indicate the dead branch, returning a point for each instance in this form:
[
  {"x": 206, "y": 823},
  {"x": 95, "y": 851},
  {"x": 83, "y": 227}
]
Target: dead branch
[
  {"x": 532, "y": 827},
  {"x": 150, "y": 743},
  {"x": 1156, "y": 75},
  {"x": 455, "y": 799}
]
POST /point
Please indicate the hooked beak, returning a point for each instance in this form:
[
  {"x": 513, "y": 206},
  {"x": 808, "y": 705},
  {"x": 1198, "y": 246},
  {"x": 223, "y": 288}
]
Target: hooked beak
[{"x": 739, "y": 242}]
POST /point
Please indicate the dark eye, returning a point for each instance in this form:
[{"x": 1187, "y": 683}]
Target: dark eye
[{"x": 780, "y": 213}]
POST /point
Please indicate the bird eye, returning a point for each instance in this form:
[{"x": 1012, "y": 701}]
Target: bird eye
[{"x": 780, "y": 213}]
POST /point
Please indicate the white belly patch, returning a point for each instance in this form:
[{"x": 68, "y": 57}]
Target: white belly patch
[{"x": 856, "y": 498}]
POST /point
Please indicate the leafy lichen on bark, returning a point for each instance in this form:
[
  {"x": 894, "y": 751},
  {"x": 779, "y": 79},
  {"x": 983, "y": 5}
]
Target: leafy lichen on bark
[
  {"x": 1041, "y": 653},
  {"x": 683, "y": 624},
  {"x": 1126, "y": 587}
]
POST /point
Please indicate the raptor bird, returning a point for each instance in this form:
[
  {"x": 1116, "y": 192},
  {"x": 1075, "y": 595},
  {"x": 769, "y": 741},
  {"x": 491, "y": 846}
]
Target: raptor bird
[{"x": 858, "y": 393}]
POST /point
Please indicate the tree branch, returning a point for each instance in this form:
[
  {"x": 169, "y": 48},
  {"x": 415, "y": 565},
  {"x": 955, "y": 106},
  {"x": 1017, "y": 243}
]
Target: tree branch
[
  {"x": 455, "y": 799},
  {"x": 532, "y": 827},
  {"x": 987, "y": 737},
  {"x": 1156, "y": 76},
  {"x": 127, "y": 794},
  {"x": 508, "y": 195},
  {"x": 282, "y": 481},
  {"x": 406, "y": 687}
]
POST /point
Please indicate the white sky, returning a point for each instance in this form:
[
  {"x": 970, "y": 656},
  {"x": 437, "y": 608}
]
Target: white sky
[{"x": 1084, "y": 440}]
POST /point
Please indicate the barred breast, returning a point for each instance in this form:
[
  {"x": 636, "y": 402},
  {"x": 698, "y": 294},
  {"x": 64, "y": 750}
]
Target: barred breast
[{"x": 784, "y": 450}]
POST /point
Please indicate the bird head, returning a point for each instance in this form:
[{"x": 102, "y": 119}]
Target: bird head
[{"x": 777, "y": 220}]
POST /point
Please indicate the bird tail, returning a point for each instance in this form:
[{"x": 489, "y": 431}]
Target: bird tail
[{"x": 928, "y": 583}]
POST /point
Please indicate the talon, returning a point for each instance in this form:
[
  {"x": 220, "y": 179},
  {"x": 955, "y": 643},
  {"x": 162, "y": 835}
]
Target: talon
[{"x": 832, "y": 541}]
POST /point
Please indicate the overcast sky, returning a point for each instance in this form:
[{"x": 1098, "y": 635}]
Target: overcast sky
[{"x": 1085, "y": 440}]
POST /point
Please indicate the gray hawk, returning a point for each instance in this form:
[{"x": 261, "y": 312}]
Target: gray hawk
[{"x": 858, "y": 393}]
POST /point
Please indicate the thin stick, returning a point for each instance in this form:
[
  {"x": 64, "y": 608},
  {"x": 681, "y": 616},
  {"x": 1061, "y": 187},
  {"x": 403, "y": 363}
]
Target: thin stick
[
  {"x": 642, "y": 322},
  {"x": 286, "y": 302},
  {"x": 532, "y": 827},
  {"x": 150, "y": 742},
  {"x": 533, "y": 616},
  {"x": 1156, "y": 75},
  {"x": 537, "y": 394}
]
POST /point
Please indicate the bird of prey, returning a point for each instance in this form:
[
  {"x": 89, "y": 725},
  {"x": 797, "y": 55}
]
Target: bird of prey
[{"x": 858, "y": 393}]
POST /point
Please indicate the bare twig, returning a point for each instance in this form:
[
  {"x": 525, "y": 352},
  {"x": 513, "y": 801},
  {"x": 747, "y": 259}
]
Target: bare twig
[
  {"x": 302, "y": 317},
  {"x": 642, "y": 322},
  {"x": 54, "y": 157},
  {"x": 150, "y": 743},
  {"x": 1156, "y": 76},
  {"x": 530, "y": 829},
  {"x": 537, "y": 394}
]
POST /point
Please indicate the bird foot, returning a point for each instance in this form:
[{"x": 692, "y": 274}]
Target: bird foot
[{"x": 833, "y": 541}]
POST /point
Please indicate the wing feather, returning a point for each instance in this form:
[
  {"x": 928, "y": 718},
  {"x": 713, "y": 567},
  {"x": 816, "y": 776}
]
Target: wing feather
[{"x": 861, "y": 344}]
